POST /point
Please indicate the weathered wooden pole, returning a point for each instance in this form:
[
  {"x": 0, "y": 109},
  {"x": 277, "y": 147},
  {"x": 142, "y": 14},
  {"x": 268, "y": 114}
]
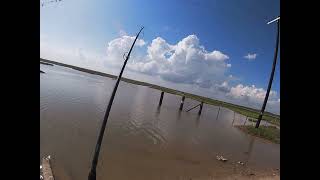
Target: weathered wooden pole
[
  {"x": 218, "y": 113},
  {"x": 193, "y": 107},
  {"x": 200, "y": 108},
  {"x": 234, "y": 116},
  {"x": 245, "y": 120},
  {"x": 161, "y": 97},
  {"x": 182, "y": 102}
]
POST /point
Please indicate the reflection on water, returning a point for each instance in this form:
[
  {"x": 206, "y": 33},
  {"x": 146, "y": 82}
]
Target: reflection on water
[
  {"x": 198, "y": 121},
  {"x": 249, "y": 150},
  {"x": 142, "y": 140}
]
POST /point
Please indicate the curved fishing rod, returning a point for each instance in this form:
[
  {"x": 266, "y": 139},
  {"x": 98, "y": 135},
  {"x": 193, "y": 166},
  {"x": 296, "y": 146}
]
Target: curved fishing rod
[
  {"x": 92, "y": 174},
  {"x": 272, "y": 71}
]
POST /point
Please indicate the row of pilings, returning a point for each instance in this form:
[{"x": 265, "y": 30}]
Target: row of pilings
[
  {"x": 200, "y": 105},
  {"x": 182, "y": 103}
]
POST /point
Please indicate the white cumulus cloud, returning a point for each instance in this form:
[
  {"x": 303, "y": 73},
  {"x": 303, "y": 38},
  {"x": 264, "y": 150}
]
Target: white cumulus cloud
[
  {"x": 254, "y": 97},
  {"x": 251, "y": 92},
  {"x": 117, "y": 47},
  {"x": 224, "y": 87},
  {"x": 184, "y": 62}
]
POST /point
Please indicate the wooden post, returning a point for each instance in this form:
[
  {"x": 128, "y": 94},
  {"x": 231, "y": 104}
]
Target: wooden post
[
  {"x": 245, "y": 120},
  {"x": 193, "y": 107},
  {"x": 161, "y": 97},
  {"x": 234, "y": 116},
  {"x": 218, "y": 113},
  {"x": 200, "y": 108},
  {"x": 182, "y": 102}
]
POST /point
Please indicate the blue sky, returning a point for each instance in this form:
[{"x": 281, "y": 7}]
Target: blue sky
[{"x": 80, "y": 32}]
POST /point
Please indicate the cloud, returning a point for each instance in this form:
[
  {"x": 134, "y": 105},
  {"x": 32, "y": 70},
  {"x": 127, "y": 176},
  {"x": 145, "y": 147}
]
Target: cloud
[
  {"x": 254, "y": 97},
  {"x": 117, "y": 47},
  {"x": 224, "y": 87},
  {"x": 251, "y": 92},
  {"x": 251, "y": 56},
  {"x": 184, "y": 62}
]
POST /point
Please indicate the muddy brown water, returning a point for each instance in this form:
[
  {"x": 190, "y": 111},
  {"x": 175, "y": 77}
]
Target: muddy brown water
[{"x": 142, "y": 141}]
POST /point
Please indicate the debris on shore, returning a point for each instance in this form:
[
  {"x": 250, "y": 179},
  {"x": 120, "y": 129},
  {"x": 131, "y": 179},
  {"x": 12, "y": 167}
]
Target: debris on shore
[
  {"x": 221, "y": 158},
  {"x": 45, "y": 169}
]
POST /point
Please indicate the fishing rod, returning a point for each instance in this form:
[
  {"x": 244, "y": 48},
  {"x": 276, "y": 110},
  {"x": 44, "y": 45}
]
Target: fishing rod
[
  {"x": 92, "y": 173},
  {"x": 272, "y": 71}
]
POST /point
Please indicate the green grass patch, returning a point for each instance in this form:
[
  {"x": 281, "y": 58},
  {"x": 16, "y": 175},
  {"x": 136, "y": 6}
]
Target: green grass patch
[
  {"x": 252, "y": 120},
  {"x": 270, "y": 133}
]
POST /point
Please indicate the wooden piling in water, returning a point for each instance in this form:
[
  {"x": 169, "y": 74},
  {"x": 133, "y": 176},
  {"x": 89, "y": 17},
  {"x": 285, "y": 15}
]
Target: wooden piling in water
[
  {"x": 182, "y": 102},
  {"x": 234, "y": 116},
  {"x": 218, "y": 113},
  {"x": 193, "y": 107},
  {"x": 161, "y": 97},
  {"x": 245, "y": 120},
  {"x": 200, "y": 108}
]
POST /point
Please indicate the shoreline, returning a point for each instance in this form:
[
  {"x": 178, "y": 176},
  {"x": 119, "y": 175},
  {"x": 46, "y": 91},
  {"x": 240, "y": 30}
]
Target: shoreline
[
  {"x": 265, "y": 136},
  {"x": 246, "y": 111}
]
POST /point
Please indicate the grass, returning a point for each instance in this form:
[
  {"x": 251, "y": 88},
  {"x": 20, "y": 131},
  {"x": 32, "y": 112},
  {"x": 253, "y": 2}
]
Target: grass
[
  {"x": 246, "y": 111},
  {"x": 270, "y": 133},
  {"x": 252, "y": 120},
  {"x": 269, "y": 117}
]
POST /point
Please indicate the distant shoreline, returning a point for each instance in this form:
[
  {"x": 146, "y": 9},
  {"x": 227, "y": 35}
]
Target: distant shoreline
[
  {"x": 250, "y": 112},
  {"x": 41, "y": 62}
]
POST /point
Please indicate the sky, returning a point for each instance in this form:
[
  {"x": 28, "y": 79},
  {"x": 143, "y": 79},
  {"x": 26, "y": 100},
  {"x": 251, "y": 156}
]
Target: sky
[{"x": 220, "y": 49}]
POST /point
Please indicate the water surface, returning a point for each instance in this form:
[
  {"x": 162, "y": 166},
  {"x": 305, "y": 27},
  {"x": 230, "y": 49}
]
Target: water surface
[{"x": 142, "y": 141}]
